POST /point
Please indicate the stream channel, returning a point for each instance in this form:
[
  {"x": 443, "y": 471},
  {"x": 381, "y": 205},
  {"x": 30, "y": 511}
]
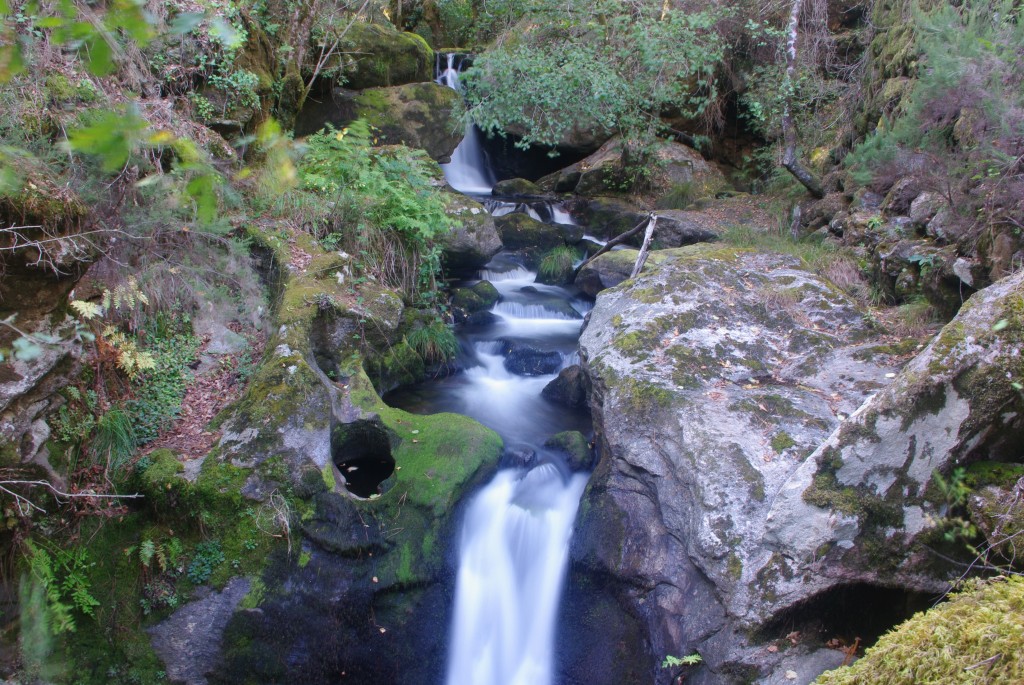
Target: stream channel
[{"x": 514, "y": 544}]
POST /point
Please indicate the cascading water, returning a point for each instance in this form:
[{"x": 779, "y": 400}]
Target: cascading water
[
  {"x": 514, "y": 544},
  {"x": 468, "y": 171}
]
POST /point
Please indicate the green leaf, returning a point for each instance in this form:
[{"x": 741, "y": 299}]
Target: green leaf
[
  {"x": 99, "y": 61},
  {"x": 26, "y": 349},
  {"x": 11, "y": 61},
  {"x": 185, "y": 22},
  {"x": 224, "y": 32},
  {"x": 112, "y": 138},
  {"x": 202, "y": 190}
]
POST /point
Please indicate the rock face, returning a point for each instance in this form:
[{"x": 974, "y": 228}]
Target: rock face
[
  {"x": 420, "y": 115},
  {"x": 715, "y": 373},
  {"x": 731, "y": 486},
  {"x": 372, "y": 557},
  {"x": 955, "y": 403}
]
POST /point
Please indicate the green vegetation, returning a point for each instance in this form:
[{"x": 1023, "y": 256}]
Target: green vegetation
[
  {"x": 616, "y": 62},
  {"x": 434, "y": 343},
  {"x": 975, "y": 633}
]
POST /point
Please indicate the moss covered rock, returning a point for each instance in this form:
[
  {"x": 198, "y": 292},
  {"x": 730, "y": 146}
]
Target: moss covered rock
[
  {"x": 520, "y": 231},
  {"x": 377, "y": 55},
  {"x": 574, "y": 446},
  {"x": 516, "y": 187},
  {"x": 474, "y": 239},
  {"x": 420, "y": 115}
]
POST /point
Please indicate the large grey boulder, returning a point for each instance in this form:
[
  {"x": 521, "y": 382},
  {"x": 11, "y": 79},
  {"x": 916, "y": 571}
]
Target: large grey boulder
[
  {"x": 747, "y": 465},
  {"x": 610, "y": 170},
  {"x": 715, "y": 373}
]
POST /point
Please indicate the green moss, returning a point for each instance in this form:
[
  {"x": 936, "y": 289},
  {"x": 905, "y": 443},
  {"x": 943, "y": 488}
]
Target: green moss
[
  {"x": 735, "y": 566},
  {"x": 328, "y": 476},
  {"x": 975, "y": 637},
  {"x": 304, "y": 559},
  {"x": 982, "y": 473},
  {"x": 435, "y": 456},
  {"x": 162, "y": 482},
  {"x": 782, "y": 441},
  {"x": 825, "y": 492},
  {"x": 254, "y": 597}
]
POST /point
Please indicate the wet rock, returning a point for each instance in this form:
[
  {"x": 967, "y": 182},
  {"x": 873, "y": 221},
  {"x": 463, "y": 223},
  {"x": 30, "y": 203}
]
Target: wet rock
[
  {"x": 715, "y": 372},
  {"x": 189, "y": 641},
  {"x": 574, "y": 447},
  {"x": 474, "y": 239},
  {"x": 607, "y": 217},
  {"x": 477, "y": 298},
  {"x": 516, "y": 187},
  {"x": 570, "y": 387},
  {"x": 528, "y": 361},
  {"x": 571, "y": 234},
  {"x": 519, "y": 231}
]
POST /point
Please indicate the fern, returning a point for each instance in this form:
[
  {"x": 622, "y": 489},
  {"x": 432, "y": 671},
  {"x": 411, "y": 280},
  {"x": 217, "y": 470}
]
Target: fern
[{"x": 63, "y": 576}]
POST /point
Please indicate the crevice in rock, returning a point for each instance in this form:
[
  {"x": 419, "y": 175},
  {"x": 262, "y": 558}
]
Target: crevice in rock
[
  {"x": 362, "y": 452},
  {"x": 846, "y": 613}
]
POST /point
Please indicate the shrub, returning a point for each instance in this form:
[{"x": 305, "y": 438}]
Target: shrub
[
  {"x": 384, "y": 205},
  {"x": 205, "y": 560}
]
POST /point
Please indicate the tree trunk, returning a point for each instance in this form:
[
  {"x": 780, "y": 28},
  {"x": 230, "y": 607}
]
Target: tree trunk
[{"x": 789, "y": 142}]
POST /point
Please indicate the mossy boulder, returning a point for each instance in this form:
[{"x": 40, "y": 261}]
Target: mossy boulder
[
  {"x": 607, "y": 271},
  {"x": 476, "y": 298},
  {"x": 516, "y": 187},
  {"x": 474, "y": 239},
  {"x": 975, "y": 630},
  {"x": 614, "y": 167},
  {"x": 519, "y": 231},
  {"x": 419, "y": 115},
  {"x": 574, "y": 446},
  {"x": 377, "y": 55},
  {"x": 714, "y": 372},
  {"x": 570, "y": 387}
]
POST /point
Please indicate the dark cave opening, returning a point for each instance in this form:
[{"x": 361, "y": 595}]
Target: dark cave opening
[{"x": 362, "y": 452}]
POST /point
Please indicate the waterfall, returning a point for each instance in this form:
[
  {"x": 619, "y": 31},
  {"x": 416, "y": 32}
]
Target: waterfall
[
  {"x": 468, "y": 171},
  {"x": 513, "y": 556}
]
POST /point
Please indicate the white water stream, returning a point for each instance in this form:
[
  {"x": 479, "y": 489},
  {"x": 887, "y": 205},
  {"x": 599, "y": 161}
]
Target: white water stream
[
  {"x": 468, "y": 171},
  {"x": 514, "y": 544}
]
